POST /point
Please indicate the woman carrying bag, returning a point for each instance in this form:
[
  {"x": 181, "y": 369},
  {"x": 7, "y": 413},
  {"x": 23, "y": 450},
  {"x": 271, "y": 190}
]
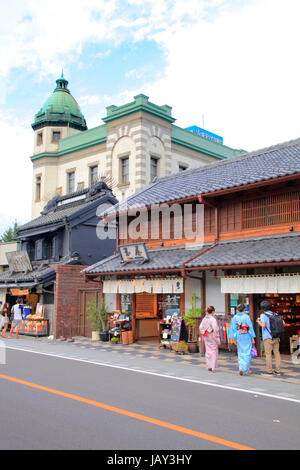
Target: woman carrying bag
[
  {"x": 5, "y": 319},
  {"x": 210, "y": 332},
  {"x": 242, "y": 334}
]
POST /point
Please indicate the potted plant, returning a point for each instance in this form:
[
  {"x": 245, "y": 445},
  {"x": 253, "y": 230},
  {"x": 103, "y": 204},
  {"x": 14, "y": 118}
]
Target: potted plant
[
  {"x": 190, "y": 319},
  {"x": 97, "y": 319},
  {"x": 115, "y": 340},
  {"x": 180, "y": 347}
]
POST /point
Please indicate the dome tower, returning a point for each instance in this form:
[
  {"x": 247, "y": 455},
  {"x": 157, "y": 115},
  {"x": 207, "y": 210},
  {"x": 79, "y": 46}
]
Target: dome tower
[{"x": 59, "y": 117}]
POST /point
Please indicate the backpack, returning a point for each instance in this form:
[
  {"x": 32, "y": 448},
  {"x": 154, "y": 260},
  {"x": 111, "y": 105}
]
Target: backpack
[{"x": 276, "y": 325}]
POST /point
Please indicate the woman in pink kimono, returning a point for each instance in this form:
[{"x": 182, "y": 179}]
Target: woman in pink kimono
[{"x": 210, "y": 332}]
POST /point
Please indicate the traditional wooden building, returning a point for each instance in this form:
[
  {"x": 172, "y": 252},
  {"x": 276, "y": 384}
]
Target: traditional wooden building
[
  {"x": 53, "y": 249},
  {"x": 234, "y": 237}
]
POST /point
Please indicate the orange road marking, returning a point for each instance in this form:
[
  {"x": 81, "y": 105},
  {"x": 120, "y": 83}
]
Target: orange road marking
[{"x": 130, "y": 414}]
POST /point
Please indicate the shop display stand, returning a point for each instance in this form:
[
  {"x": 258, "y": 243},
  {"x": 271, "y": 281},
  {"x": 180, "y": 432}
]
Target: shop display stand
[
  {"x": 35, "y": 327},
  {"x": 288, "y": 306},
  {"x": 117, "y": 333},
  {"x": 34, "y": 324},
  {"x": 165, "y": 334}
]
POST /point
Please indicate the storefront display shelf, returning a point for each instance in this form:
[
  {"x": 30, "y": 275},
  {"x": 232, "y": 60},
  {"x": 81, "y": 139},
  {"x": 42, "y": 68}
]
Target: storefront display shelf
[{"x": 35, "y": 327}]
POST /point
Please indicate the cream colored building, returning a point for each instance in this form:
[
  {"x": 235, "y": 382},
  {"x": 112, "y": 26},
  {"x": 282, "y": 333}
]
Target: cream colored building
[
  {"x": 5, "y": 247},
  {"x": 137, "y": 142}
]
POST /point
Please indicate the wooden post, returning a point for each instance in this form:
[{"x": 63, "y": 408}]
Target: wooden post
[
  {"x": 203, "y": 292},
  {"x": 227, "y": 305},
  {"x": 133, "y": 316},
  {"x": 251, "y": 307}
]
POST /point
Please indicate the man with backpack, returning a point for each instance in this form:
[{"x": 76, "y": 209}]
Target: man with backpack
[{"x": 272, "y": 330}]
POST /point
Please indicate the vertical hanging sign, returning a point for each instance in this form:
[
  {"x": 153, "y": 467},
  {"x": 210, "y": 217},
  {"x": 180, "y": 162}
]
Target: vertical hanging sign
[{"x": 176, "y": 329}]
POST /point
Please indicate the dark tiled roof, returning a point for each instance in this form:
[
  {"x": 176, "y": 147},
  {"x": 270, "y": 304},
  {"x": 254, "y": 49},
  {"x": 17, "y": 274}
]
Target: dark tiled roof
[
  {"x": 273, "y": 162},
  {"x": 31, "y": 276},
  {"x": 271, "y": 249},
  {"x": 162, "y": 258},
  {"x": 37, "y": 274},
  {"x": 62, "y": 208}
]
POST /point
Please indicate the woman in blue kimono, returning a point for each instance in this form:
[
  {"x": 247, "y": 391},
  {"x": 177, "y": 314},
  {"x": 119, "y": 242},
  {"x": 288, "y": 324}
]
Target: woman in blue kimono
[{"x": 242, "y": 334}]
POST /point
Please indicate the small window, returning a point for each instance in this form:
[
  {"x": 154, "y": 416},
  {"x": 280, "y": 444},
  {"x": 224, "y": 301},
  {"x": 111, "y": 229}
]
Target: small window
[
  {"x": 38, "y": 250},
  {"x": 48, "y": 249},
  {"x": 38, "y": 188},
  {"x": 124, "y": 170},
  {"x": 70, "y": 182},
  {"x": 39, "y": 138},
  {"x": 80, "y": 186},
  {"x": 56, "y": 136},
  {"x": 93, "y": 175},
  {"x": 31, "y": 250},
  {"x": 153, "y": 168},
  {"x": 182, "y": 168}
]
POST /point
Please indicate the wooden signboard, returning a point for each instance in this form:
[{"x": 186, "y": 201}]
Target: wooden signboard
[
  {"x": 133, "y": 252},
  {"x": 19, "y": 261},
  {"x": 20, "y": 292}
]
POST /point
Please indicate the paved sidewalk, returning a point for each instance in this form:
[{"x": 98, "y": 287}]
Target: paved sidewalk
[{"x": 227, "y": 361}]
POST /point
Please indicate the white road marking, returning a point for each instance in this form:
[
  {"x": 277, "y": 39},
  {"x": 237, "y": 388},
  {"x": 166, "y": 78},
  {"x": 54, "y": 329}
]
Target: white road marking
[{"x": 156, "y": 374}]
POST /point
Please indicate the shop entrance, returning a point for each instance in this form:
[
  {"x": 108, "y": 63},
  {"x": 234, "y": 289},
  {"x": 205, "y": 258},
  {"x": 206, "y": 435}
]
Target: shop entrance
[
  {"x": 146, "y": 316},
  {"x": 288, "y": 306},
  {"x": 85, "y": 297}
]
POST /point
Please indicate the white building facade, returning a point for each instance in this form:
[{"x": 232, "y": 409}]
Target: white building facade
[{"x": 137, "y": 142}]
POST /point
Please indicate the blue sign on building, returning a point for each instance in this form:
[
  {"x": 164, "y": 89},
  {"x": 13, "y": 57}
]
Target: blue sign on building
[{"x": 206, "y": 134}]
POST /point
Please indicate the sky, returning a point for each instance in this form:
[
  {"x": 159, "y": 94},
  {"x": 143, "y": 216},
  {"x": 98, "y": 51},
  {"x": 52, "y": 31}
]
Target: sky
[{"x": 232, "y": 65}]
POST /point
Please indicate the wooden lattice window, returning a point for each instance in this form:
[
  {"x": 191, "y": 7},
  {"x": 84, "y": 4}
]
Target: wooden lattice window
[
  {"x": 146, "y": 305},
  {"x": 274, "y": 209}
]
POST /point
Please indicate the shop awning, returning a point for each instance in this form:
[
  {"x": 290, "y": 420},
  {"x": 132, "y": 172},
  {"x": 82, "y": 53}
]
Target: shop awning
[
  {"x": 261, "y": 284},
  {"x": 135, "y": 286}
]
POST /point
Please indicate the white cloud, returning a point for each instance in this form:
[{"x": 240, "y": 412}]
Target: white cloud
[
  {"x": 240, "y": 70},
  {"x": 89, "y": 100},
  {"x": 44, "y": 37},
  {"x": 16, "y": 173}
]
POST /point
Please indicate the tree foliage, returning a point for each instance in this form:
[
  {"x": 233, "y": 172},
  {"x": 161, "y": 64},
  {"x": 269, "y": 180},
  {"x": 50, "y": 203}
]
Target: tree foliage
[{"x": 10, "y": 234}]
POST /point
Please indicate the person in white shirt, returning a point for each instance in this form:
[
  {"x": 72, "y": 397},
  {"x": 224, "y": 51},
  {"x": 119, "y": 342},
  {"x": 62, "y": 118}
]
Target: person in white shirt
[{"x": 16, "y": 324}]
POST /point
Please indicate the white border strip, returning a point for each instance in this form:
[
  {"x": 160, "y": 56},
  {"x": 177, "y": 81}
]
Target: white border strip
[{"x": 130, "y": 369}]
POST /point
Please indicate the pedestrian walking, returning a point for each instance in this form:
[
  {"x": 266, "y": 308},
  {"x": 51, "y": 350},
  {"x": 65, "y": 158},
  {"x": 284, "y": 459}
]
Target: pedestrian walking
[
  {"x": 242, "y": 334},
  {"x": 17, "y": 311},
  {"x": 209, "y": 330},
  {"x": 271, "y": 344},
  {"x": 4, "y": 319}
]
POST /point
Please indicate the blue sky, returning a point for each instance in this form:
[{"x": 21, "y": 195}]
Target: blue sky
[{"x": 235, "y": 62}]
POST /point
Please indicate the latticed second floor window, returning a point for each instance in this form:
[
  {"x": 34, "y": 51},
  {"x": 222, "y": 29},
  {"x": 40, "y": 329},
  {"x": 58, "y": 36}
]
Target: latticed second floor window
[{"x": 274, "y": 209}]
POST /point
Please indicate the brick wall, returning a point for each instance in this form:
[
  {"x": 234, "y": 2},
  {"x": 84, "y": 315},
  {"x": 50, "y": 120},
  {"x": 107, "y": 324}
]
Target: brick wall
[{"x": 69, "y": 282}]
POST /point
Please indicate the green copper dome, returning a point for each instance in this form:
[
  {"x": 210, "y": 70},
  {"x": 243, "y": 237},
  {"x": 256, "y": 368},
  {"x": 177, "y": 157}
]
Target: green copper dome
[{"x": 60, "y": 109}]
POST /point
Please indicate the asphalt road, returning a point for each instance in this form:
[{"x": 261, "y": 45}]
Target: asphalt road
[{"x": 68, "y": 404}]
